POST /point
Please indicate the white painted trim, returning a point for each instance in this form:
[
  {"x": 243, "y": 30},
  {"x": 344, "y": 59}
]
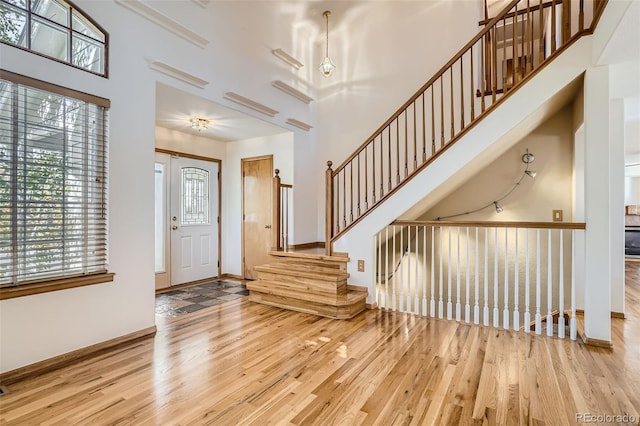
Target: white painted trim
[
  {"x": 299, "y": 124},
  {"x": 164, "y": 21},
  {"x": 256, "y": 106},
  {"x": 178, "y": 74},
  {"x": 292, "y": 91},
  {"x": 202, "y": 3},
  {"x": 285, "y": 57}
]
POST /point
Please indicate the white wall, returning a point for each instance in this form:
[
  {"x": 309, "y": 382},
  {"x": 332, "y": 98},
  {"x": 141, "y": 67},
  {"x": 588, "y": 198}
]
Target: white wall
[
  {"x": 534, "y": 199},
  {"x": 42, "y": 326},
  {"x": 281, "y": 146},
  {"x": 380, "y": 66}
]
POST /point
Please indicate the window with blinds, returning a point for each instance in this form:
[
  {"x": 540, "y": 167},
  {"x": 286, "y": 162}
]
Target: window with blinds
[{"x": 53, "y": 184}]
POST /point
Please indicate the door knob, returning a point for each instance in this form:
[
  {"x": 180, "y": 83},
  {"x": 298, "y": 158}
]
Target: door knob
[
  {"x": 174, "y": 227},
  {"x": 267, "y": 226}
]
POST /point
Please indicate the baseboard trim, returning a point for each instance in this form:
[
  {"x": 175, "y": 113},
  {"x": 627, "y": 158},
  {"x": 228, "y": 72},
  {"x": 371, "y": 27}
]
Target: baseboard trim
[
  {"x": 231, "y": 277},
  {"x": 304, "y": 246},
  {"x": 47, "y": 365},
  {"x": 619, "y": 315},
  {"x": 597, "y": 342}
]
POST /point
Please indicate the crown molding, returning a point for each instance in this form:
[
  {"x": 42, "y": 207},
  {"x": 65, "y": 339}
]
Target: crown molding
[
  {"x": 164, "y": 21},
  {"x": 299, "y": 124},
  {"x": 249, "y": 103},
  {"x": 178, "y": 74},
  {"x": 291, "y": 91},
  {"x": 202, "y": 3},
  {"x": 288, "y": 59}
]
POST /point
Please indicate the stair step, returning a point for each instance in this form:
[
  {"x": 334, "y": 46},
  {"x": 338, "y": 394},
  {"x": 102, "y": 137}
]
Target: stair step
[
  {"x": 336, "y": 258},
  {"x": 313, "y": 295},
  {"x": 314, "y": 272},
  {"x": 300, "y": 285},
  {"x": 344, "y": 306}
]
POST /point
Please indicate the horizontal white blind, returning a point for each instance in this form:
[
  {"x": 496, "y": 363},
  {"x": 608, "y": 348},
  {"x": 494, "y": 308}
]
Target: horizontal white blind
[{"x": 53, "y": 185}]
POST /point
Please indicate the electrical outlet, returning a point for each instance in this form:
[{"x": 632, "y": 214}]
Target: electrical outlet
[
  {"x": 360, "y": 265},
  {"x": 557, "y": 215}
]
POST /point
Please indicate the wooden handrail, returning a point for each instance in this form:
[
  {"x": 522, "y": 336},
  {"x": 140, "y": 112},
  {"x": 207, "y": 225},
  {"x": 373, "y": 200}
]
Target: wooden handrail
[
  {"x": 492, "y": 224},
  {"x": 430, "y": 82},
  {"x": 441, "y": 111}
]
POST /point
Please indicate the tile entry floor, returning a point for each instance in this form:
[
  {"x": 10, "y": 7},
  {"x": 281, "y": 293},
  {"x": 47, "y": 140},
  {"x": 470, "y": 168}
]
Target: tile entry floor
[{"x": 193, "y": 298}]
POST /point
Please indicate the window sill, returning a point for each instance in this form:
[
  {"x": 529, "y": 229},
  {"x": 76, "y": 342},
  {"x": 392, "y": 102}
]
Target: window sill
[{"x": 55, "y": 284}]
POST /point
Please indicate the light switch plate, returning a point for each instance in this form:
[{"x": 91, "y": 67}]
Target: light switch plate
[
  {"x": 557, "y": 215},
  {"x": 360, "y": 265}
]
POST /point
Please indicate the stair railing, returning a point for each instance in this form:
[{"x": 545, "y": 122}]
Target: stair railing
[
  {"x": 509, "y": 275},
  {"x": 281, "y": 210},
  {"x": 510, "y": 49}
]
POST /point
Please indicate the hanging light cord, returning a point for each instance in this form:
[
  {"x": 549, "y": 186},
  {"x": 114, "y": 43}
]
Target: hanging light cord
[
  {"x": 326, "y": 17},
  {"x": 492, "y": 203}
]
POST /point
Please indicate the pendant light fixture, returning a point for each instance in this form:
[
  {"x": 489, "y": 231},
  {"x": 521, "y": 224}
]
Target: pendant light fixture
[{"x": 327, "y": 67}]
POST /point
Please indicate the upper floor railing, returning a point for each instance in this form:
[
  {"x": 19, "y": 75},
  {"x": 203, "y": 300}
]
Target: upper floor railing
[{"x": 510, "y": 49}]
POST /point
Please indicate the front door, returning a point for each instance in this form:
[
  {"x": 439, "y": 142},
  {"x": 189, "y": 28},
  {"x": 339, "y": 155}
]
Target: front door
[
  {"x": 193, "y": 220},
  {"x": 256, "y": 212}
]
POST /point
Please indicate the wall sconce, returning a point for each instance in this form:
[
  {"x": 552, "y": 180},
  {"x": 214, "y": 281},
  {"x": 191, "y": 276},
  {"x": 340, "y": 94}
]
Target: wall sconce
[{"x": 199, "y": 124}]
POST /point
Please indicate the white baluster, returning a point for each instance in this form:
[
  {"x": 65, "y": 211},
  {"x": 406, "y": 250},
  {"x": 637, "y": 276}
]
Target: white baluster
[
  {"x": 516, "y": 288},
  {"x": 449, "y": 305},
  {"x": 527, "y": 314},
  {"x": 476, "y": 307},
  {"x": 561, "y": 290},
  {"x": 467, "y": 307},
  {"x": 393, "y": 271},
  {"x": 549, "y": 289},
  {"x": 376, "y": 255},
  {"x": 401, "y": 275},
  {"x": 424, "y": 271},
  {"x": 496, "y": 311},
  {"x": 407, "y": 279},
  {"x": 538, "y": 317},
  {"x": 458, "y": 279},
  {"x": 416, "y": 283},
  {"x": 485, "y": 313},
  {"x": 573, "y": 326},
  {"x": 386, "y": 269},
  {"x": 505, "y": 312},
  {"x": 441, "y": 283},
  {"x": 433, "y": 272}
]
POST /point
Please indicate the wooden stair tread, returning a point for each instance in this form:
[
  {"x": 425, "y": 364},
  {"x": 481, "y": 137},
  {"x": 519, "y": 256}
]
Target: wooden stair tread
[
  {"x": 322, "y": 273},
  {"x": 299, "y": 255},
  {"x": 352, "y": 306},
  {"x": 343, "y": 299}
]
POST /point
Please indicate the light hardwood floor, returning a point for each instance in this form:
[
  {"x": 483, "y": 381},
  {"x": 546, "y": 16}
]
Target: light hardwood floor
[{"x": 245, "y": 363}]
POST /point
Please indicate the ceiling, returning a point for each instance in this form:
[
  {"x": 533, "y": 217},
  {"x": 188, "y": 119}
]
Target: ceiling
[{"x": 175, "y": 109}]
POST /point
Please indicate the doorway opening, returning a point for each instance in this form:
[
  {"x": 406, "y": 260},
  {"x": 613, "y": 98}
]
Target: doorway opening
[{"x": 187, "y": 218}]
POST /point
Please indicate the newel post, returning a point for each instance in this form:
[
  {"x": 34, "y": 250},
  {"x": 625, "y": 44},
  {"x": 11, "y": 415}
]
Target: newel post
[
  {"x": 328, "y": 206},
  {"x": 276, "y": 212}
]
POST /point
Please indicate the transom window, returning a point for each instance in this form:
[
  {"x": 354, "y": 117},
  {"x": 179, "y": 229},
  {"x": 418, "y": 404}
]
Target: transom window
[
  {"x": 55, "y": 29},
  {"x": 53, "y": 183}
]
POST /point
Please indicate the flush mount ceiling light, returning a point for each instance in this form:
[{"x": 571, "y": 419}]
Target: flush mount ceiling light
[
  {"x": 327, "y": 67},
  {"x": 199, "y": 124}
]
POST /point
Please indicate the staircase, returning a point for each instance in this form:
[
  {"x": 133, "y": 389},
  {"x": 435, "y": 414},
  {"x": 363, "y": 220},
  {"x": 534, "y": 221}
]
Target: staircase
[{"x": 310, "y": 283}]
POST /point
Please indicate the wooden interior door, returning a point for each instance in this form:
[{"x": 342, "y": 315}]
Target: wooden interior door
[{"x": 256, "y": 212}]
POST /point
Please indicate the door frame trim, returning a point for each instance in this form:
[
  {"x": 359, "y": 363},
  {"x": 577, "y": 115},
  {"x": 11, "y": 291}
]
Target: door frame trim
[
  {"x": 211, "y": 160},
  {"x": 242, "y": 161}
]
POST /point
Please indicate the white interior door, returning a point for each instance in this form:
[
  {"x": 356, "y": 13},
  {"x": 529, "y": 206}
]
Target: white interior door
[{"x": 193, "y": 220}]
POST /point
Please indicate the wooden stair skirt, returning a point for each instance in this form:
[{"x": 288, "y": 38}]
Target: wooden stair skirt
[{"x": 310, "y": 283}]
